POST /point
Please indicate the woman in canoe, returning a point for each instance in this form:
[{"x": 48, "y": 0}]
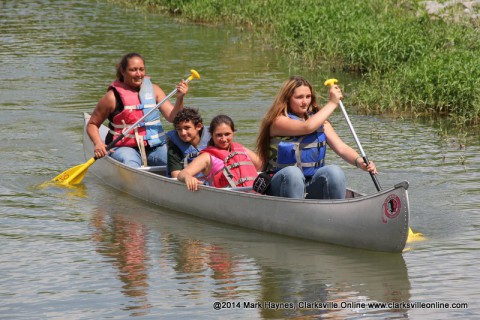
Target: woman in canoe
[
  {"x": 128, "y": 98},
  {"x": 292, "y": 144},
  {"x": 224, "y": 163}
]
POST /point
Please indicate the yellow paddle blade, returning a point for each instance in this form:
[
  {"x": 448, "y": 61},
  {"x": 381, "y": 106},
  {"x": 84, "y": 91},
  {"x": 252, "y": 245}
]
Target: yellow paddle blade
[
  {"x": 414, "y": 236},
  {"x": 74, "y": 175}
]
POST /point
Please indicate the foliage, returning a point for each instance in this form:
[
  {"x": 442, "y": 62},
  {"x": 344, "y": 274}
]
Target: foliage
[{"x": 408, "y": 61}]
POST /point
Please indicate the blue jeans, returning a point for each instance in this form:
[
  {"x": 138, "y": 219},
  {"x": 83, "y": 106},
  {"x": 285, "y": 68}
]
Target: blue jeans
[
  {"x": 131, "y": 157},
  {"x": 328, "y": 182}
]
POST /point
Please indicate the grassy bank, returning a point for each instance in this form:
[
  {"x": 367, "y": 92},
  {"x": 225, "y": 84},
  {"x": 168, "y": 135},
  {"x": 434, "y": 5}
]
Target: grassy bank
[{"x": 409, "y": 62}]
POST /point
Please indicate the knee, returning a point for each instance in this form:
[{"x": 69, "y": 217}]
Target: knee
[
  {"x": 292, "y": 174},
  {"x": 288, "y": 182},
  {"x": 158, "y": 157},
  {"x": 128, "y": 156},
  {"x": 336, "y": 173}
]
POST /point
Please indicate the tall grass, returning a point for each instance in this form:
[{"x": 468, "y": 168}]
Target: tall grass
[{"x": 407, "y": 60}]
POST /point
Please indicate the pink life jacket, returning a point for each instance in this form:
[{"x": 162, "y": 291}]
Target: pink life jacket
[
  {"x": 135, "y": 106},
  {"x": 230, "y": 169}
]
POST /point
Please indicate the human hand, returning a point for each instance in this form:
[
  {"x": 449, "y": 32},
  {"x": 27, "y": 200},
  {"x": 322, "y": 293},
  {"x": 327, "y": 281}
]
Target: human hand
[
  {"x": 192, "y": 183},
  {"x": 371, "y": 167},
  {"x": 182, "y": 88},
  {"x": 100, "y": 150},
  {"x": 335, "y": 94}
]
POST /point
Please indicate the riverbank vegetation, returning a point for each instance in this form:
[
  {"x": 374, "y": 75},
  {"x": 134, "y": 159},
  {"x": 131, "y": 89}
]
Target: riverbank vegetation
[{"x": 410, "y": 61}]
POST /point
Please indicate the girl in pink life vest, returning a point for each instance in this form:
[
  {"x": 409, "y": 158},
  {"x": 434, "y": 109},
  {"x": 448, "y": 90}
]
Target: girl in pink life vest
[{"x": 224, "y": 163}]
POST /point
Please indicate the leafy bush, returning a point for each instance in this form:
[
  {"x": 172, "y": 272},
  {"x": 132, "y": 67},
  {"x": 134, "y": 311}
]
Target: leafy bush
[{"x": 407, "y": 60}]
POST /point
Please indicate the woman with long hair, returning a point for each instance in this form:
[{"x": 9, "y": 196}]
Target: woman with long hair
[
  {"x": 128, "y": 98},
  {"x": 292, "y": 144}
]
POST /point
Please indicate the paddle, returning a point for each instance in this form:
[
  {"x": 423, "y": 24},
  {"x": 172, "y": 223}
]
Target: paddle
[
  {"x": 331, "y": 82},
  {"x": 75, "y": 175},
  {"x": 412, "y": 236}
]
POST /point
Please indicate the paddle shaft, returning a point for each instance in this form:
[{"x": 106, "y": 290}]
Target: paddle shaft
[
  {"x": 126, "y": 131},
  {"x": 364, "y": 156}
]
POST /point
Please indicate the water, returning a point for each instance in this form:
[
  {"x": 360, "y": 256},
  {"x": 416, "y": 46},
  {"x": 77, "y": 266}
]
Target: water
[{"x": 91, "y": 252}]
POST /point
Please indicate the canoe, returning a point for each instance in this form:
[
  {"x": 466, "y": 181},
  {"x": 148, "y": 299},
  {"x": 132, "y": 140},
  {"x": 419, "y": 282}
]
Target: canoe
[{"x": 378, "y": 222}]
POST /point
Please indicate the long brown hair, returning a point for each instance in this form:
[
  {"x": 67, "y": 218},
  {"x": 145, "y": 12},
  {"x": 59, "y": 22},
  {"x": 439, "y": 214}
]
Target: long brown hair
[
  {"x": 123, "y": 63},
  {"x": 280, "y": 107}
]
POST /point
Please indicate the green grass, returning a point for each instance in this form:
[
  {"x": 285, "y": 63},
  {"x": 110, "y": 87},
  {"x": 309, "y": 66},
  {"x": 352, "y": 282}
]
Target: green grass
[{"x": 408, "y": 63}]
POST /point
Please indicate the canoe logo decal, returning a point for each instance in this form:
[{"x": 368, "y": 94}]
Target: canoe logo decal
[{"x": 391, "y": 207}]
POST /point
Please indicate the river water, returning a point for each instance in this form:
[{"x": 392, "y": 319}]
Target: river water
[{"x": 91, "y": 252}]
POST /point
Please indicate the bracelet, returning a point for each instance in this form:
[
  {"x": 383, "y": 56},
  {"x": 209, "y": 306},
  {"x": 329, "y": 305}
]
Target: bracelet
[{"x": 356, "y": 164}]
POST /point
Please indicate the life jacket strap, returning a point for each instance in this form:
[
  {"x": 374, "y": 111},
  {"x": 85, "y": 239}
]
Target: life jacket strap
[
  {"x": 156, "y": 136},
  {"x": 238, "y": 164},
  {"x": 141, "y": 147},
  {"x": 232, "y": 154},
  {"x": 188, "y": 156},
  {"x": 304, "y": 164},
  {"x": 140, "y": 106},
  {"x": 141, "y": 124},
  {"x": 231, "y": 181}
]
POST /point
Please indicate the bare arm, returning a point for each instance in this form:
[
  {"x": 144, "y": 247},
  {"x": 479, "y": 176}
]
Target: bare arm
[
  {"x": 105, "y": 106},
  {"x": 257, "y": 162},
  {"x": 284, "y": 126},
  {"x": 202, "y": 164},
  {"x": 346, "y": 152},
  {"x": 168, "y": 110}
]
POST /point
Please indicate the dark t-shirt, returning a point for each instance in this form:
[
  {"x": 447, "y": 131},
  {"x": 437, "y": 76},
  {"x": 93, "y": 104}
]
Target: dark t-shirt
[{"x": 174, "y": 158}]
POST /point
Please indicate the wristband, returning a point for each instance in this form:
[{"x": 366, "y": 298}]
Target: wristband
[{"x": 356, "y": 163}]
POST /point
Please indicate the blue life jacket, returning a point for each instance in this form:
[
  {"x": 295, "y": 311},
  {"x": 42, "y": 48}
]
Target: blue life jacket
[
  {"x": 306, "y": 152},
  {"x": 155, "y": 133},
  {"x": 189, "y": 152}
]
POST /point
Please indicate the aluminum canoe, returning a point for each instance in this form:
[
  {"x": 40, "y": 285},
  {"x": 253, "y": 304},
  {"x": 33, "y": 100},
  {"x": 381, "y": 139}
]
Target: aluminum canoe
[{"x": 378, "y": 222}]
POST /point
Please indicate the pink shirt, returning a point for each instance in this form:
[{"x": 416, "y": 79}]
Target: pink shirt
[{"x": 215, "y": 166}]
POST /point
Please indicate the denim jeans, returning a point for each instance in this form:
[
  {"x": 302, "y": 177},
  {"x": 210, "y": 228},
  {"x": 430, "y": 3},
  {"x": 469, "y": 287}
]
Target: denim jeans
[
  {"x": 328, "y": 182},
  {"x": 131, "y": 157}
]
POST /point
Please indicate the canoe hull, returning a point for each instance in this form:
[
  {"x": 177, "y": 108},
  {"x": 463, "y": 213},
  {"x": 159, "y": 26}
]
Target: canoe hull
[{"x": 376, "y": 222}]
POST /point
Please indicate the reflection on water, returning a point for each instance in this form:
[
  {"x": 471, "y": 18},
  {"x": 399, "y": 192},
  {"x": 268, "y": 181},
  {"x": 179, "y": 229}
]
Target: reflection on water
[
  {"x": 211, "y": 262},
  {"x": 123, "y": 243},
  {"x": 195, "y": 259}
]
